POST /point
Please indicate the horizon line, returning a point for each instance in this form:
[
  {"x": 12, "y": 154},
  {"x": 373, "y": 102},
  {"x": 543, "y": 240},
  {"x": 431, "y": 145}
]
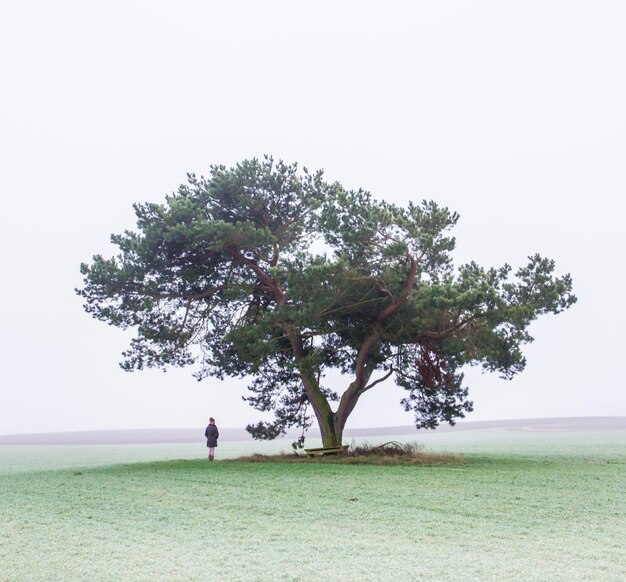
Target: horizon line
[{"x": 185, "y": 434}]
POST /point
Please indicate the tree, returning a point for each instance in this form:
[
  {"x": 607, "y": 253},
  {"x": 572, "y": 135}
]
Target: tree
[{"x": 268, "y": 272}]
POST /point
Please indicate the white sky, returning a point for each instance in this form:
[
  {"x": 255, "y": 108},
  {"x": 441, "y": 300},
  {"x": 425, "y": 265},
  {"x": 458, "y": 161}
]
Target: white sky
[{"x": 511, "y": 113}]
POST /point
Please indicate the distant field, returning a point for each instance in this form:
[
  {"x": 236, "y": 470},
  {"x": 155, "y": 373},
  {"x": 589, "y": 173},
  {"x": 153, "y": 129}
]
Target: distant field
[
  {"x": 191, "y": 435},
  {"x": 587, "y": 437},
  {"x": 527, "y": 506}
]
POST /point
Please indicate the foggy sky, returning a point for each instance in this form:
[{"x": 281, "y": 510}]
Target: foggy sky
[{"x": 511, "y": 114}]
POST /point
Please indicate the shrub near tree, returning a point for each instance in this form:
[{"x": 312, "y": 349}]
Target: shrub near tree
[{"x": 267, "y": 272}]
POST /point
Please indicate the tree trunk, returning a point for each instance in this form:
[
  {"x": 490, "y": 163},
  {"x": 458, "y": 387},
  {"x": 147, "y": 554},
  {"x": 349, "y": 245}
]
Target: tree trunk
[
  {"x": 332, "y": 424},
  {"x": 331, "y": 433}
]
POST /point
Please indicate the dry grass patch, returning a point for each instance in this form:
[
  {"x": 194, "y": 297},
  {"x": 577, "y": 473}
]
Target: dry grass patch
[{"x": 390, "y": 453}]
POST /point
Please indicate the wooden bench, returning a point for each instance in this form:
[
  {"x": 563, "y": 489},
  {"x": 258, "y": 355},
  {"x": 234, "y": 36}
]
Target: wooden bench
[{"x": 322, "y": 451}]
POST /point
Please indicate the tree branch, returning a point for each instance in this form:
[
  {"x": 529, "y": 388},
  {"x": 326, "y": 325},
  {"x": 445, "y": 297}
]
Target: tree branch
[
  {"x": 353, "y": 393},
  {"x": 369, "y": 386},
  {"x": 279, "y": 294},
  {"x": 189, "y": 297}
]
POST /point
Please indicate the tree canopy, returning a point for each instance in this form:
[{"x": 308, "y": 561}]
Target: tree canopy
[{"x": 269, "y": 272}]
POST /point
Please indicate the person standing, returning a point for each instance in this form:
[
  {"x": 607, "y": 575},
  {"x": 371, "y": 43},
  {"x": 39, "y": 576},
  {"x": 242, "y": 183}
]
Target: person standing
[{"x": 212, "y": 434}]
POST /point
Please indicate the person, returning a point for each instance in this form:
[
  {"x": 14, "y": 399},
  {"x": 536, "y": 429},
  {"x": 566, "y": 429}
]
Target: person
[{"x": 212, "y": 434}]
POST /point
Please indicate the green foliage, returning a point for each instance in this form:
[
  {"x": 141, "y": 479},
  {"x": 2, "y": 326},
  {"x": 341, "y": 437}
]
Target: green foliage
[{"x": 268, "y": 272}]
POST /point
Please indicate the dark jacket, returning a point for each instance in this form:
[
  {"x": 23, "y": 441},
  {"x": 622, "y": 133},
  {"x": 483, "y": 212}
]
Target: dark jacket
[{"x": 212, "y": 434}]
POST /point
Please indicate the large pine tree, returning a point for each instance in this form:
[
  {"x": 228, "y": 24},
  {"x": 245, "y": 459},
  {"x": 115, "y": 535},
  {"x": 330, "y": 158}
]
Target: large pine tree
[{"x": 270, "y": 273}]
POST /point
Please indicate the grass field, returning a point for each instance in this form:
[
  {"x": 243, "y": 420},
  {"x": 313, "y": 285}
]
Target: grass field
[{"x": 536, "y": 506}]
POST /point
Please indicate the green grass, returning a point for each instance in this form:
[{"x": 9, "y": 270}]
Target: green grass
[{"x": 538, "y": 513}]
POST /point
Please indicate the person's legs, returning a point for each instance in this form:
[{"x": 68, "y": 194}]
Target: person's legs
[{"x": 211, "y": 453}]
